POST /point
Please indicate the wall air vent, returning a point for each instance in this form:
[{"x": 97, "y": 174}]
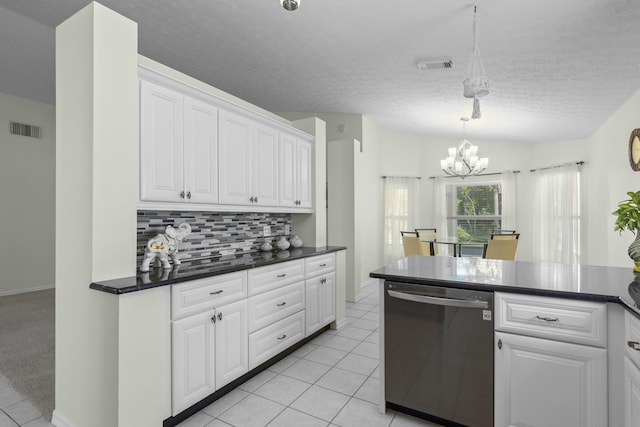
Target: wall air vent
[
  {"x": 434, "y": 63},
  {"x": 24, "y": 130}
]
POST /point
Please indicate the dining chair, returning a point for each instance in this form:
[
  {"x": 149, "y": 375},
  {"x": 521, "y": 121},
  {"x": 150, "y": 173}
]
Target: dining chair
[
  {"x": 504, "y": 234},
  {"x": 500, "y": 247},
  {"x": 411, "y": 244},
  {"x": 428, "y": 233}
]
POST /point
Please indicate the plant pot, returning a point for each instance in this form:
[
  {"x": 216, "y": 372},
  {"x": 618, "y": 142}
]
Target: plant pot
[{"x": 634, "y": 252}]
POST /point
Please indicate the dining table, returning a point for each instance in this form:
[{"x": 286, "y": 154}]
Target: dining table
[{"x": 456, "y": 243}]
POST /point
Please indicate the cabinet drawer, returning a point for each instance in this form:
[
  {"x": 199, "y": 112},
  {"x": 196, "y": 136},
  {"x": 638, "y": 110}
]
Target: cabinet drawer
[
  {"x": 198, "y": 295},
  {"x": 632, "y": 336},
  {"x": 269, "y": 341},
  {"x": 264, "y": 279},
  {"x": 269, "y": 307},
  {"x": 580, "y": 322},
  {"x": 320, "y": 264}
]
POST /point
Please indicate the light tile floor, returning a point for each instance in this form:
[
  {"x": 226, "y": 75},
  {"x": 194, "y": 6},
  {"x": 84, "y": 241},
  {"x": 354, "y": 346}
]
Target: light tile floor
[
  {"x": 330, "y": 381},
  {"x": 16, "y": 411}
]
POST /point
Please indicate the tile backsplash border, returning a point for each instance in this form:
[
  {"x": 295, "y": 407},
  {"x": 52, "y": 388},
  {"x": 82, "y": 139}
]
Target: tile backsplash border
[{"x": 213, "y": 234}]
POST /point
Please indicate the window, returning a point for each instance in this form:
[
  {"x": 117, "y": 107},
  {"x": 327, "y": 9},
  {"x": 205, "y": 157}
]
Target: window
[
  {"x": 400, "y": 204},
  {"x": 473, "y": 212}
]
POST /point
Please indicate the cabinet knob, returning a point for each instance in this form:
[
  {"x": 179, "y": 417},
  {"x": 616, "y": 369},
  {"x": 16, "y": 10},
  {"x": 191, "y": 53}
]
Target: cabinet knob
[
  {"x": 217, "y": 292},
  {"x": 634, "y": 345},
  {"x": 281, "y": 275},
  {"x": 283, "y": 336},
  {"x": 219, "y": 316},
  {"x": 281, "y": 304},
  {"x": 500, "y": 344},
  {"x": 213, "y": 318},
  {"x": 256, "y": 199},
  {"x": 182, "y": 194},
  {"x": 188, "y": 194},
  {"x": 251, "y": 199}
]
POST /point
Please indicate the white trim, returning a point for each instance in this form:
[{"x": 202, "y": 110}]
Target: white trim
[
  {"x": 337, "y": 325},
  {"x": 210, "y": 207},
  {"x": 59, "y": 421},
  {"x": 23, "y": 291}
]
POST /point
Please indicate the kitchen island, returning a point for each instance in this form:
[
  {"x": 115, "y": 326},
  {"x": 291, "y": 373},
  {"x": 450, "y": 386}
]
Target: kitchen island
[{"x": 564, "y": 339}]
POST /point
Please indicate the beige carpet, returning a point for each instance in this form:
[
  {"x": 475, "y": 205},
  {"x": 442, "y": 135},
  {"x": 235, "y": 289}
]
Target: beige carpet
[{"x": 27, "y": 346}]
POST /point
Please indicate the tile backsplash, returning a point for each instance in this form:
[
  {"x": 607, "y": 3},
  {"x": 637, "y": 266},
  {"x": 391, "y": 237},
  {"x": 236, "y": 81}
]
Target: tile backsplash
[{"x": 212, "y": 233}]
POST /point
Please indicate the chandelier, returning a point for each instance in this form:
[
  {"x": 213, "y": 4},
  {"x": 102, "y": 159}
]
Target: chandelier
[
  {"x": 464, "y": 161},
  {"x": 290, "y": 4},
  {"x": 476, "y": 85}
]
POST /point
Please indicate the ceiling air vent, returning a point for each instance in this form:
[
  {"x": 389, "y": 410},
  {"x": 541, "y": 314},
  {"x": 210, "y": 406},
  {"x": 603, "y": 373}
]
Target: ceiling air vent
[
  {"x": 434, "y": 63},
  {"x": 24, "y": 130}
]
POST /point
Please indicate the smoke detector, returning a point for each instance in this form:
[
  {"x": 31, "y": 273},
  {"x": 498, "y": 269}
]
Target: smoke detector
[{"x": 434, "y": 63}]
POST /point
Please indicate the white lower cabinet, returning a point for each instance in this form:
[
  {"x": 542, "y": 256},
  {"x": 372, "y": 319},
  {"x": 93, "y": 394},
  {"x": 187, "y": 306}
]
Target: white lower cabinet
[
  {"x": 545, "y": 383},
  {"x": 192, "y": 360},
  {"x": 275, "y": 338},
  {"x": 320, "y": 307},
  {"x": 631, "y": 394},
  {"x": 208, "y": 350},
  {"x": 550, "y": 362},
  {"x": 231, "y": 351}
]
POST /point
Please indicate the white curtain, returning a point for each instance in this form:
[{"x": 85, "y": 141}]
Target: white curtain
[
  {"x": 440, "y": 207},
  {"x": 509, "y": 198},
  {"x": 557, "y": 215},
  {"x": 400, "y": 213}
]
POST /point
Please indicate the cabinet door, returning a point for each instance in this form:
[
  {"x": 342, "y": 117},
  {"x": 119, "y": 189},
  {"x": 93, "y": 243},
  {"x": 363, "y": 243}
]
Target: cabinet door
[
  {"x": 631, "y": 394},
  {"x": 265, "y": 165},
  {"x": 200, "y": 151},
  {"x": 326, "y": 300},
  {"x": 545, "y": 383},
  {"x": 235, "y": 159},
  {"x": 232, "y": 353},
  {"x": 303, "y": 175},
  {"x": 312, "y": 308},
  {"x": 161, "y": 143},
  {"x": 192, "y": 360},
  {"x": 287, "y": 177}
]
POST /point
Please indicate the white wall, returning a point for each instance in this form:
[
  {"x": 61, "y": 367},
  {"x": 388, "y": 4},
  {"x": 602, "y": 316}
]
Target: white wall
[{"x": 27, "y": 191}]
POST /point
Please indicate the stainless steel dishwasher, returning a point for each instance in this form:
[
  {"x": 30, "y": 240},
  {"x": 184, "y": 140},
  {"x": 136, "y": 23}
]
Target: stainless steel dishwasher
[{"x": 438, "y": 353}]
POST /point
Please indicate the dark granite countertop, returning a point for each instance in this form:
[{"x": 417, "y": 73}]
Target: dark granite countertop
[
  {"x": 192, "y": 270},
  {"x": 582, "y": 282}
]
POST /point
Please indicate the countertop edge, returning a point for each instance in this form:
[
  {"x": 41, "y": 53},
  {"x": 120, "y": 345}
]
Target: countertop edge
[{"x": 126, "y": 285}]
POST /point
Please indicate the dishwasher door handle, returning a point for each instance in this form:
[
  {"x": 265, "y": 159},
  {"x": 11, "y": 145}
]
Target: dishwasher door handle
[{"x": 439, "y": 301}]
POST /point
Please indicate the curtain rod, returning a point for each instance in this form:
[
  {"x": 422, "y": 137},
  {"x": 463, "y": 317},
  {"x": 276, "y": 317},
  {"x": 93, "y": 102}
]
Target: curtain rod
[
  {"x": 390, "y": 176},
  {"x": 480, "y": 174},
  {"x": 580, "y": 163}
]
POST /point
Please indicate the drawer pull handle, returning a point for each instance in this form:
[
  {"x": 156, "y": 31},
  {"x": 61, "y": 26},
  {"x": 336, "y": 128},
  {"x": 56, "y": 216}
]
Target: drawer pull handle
[
  {"x": 281, "y": 304},
  {"x": 217, "y": 292},
  {"x": 281, "y": 275},
  {"x": 323, "y": 265},
  {"x": 282, "y": 337},
  {"x": 634, "y": 345},
  {"x": 548, "y": 319}
]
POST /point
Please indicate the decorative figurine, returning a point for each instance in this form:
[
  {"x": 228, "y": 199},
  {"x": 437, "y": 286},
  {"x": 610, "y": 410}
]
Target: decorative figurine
[
  {"x": 296, "y": 241},
  {"x": 164, "y": 246},
  {"x": 266, "y": 247}
]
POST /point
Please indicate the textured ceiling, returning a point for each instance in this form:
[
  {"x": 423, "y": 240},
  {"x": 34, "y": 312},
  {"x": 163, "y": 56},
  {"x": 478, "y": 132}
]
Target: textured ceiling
[{"x": 557, "y": 69}]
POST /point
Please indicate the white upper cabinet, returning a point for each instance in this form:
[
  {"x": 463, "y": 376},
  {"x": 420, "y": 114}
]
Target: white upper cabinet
[
  {"x": 203, "y": 153},
  {"x": 295, "y": 172},
  {"x": 161, "y": 143},
  {"x": 248, "y": 162},
  {"x": 178, "y": 147}
]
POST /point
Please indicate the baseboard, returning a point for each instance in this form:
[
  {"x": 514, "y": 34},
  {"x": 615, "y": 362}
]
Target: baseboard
[
  {"x": 23, "y": 291},
  {"x": 59, "y": 421},
  {"x": 369, "y": 282},
  {"x": 341, "y": 324}
]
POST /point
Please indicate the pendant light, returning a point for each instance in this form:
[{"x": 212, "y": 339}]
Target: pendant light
[{"x": 476, "y": 85}]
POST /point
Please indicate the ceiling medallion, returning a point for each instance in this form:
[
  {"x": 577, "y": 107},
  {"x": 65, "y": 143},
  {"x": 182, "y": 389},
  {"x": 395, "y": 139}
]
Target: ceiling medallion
[{"x": 290, "y": 5}]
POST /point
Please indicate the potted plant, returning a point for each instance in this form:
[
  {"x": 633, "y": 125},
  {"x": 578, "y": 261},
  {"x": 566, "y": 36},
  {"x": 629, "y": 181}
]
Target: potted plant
[{"x": 628, "y": 218}]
